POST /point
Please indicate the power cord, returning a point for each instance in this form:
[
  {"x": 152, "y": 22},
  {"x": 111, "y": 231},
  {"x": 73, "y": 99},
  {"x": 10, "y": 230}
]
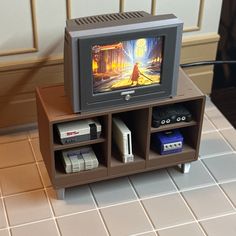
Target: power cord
[{"x": 206, "y": 63}]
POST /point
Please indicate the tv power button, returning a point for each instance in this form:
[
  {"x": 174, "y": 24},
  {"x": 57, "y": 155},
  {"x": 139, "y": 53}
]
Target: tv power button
[{"x": 127, "y": 97}]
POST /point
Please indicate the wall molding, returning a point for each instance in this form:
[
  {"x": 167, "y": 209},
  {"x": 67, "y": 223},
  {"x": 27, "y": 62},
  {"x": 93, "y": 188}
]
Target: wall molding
[
  {"x": 193, "y": 28},
  {"x": 35, "y": 36},
  {"x": 54, "y": 60},
  {"x": 20, "y": 65},
  {"x": 199, "y": 20},
  {"x": 68, "y": 9},
  {"x": 200, "y": 39},
  {"x": 154, "y": 7},
  {"x": 196, "y": 27},
  {"x": 122, "y": 5}
]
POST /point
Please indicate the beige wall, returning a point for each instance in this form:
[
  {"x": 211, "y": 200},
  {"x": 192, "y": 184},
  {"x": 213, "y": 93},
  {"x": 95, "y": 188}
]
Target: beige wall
[{"x": 31, "y": 43}]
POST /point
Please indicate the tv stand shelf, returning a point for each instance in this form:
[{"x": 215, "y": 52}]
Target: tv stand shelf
[{"x": 53, "y": 108}]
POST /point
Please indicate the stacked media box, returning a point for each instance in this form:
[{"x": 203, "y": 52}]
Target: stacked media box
[{"x": 79, "y": 159}]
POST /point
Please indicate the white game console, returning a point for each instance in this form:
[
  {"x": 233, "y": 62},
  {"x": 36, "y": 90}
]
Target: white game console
[
  {"x": 79, "y": 159},
  {"x": 122, "y": 137},
  {"x": 79, "y": 130}
]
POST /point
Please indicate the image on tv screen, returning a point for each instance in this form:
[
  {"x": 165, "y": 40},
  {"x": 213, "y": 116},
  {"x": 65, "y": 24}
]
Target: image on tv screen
[{"x": 127, "y": 64}]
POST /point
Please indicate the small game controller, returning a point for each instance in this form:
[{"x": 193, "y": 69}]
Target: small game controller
[{"x": 170, "y": 114}]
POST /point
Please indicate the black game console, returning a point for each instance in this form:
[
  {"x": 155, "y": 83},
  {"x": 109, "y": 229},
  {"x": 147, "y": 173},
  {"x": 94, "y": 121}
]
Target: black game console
[{"x": 170, "y": 114}]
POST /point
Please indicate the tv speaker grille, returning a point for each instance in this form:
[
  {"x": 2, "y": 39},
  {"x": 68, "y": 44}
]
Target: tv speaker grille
[{"x": 108, "y": 18}]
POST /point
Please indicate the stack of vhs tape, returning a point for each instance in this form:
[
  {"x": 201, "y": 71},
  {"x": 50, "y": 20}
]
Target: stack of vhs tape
[{"x": 79, "y": 159}]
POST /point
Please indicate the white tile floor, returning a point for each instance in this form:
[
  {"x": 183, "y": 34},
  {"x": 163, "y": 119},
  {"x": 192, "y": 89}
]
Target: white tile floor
[{"x": 163, "y": 202}]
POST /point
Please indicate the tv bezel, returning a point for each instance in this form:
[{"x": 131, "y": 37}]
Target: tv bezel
[{"x": 82, "y": 96}]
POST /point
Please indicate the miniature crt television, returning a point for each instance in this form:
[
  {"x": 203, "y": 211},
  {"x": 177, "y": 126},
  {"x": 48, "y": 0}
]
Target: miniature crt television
[{"x": 121, "y": 59}]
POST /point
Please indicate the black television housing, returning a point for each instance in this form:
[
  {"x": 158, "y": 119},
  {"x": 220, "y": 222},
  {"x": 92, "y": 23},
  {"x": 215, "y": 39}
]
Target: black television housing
[{"x": 121, "y": 59}]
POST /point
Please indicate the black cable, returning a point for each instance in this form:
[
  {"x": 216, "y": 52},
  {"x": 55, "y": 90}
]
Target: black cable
[{"x": 206, "y": 63}]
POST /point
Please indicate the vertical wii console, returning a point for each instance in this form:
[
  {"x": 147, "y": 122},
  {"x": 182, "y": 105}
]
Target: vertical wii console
[{"x": 122, "y": 137}]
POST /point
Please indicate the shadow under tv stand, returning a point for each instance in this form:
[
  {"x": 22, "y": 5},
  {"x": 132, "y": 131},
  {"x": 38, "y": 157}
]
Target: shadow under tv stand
[{"x": 53, "y": 108}]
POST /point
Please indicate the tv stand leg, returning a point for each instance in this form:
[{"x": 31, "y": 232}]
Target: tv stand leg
[
  {"x": 185, "y": 168},
  {"x": 60, "y": 193}
]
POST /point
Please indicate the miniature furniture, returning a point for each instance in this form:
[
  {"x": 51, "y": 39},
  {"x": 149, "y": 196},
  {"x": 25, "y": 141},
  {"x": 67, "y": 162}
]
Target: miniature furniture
[{"x": 53, "y": 108}]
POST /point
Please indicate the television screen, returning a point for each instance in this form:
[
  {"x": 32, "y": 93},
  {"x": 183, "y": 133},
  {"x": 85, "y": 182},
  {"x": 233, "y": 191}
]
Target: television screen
[{"x": 127, "y": 64}]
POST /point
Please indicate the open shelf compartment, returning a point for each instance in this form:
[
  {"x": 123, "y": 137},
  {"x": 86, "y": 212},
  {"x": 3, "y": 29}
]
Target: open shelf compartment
[
  {"x": 189, "y": 150},
  {"x": 137, "y": 123},
  {"x": 173, "y": 117},
  {"x": 58, "y": 145},
  {"x": 98, "y": 172}
]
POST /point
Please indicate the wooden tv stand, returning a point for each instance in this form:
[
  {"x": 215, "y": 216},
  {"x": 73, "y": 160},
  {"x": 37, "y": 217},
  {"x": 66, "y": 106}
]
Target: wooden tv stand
[{"x": 53, "y": 108}]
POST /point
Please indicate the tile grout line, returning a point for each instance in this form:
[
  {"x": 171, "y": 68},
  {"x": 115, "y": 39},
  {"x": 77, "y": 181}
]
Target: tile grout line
[
  {"x": 208, "y": 131},
  {"x": 177, "y": 225},
  {"x": 216, "y": 155},
  {"x": 187, "y": 205},
  {"x": 50, "y": 218},
  {"x": 216, "y": 130},
  {"x": 14, "y": 141},
  {"x": 17, "y": 165},
  {"x": 182, "y": 191},
  {"x": 209, "y": 119},
  {"x": 30, "y": 223},
  {"x": 222, "y": 136},
  {"x": 5, "y": 213},
  {"x": 193, "y": 214},
  {"x": 217, "y": 184},
  {"x": 99, "y": 211},
  {"x": 145, "y": 232},
  {"x": 52, "y": 212},
  {"x": 227, "y": 181},
  {"x": 199, "y": 221},
  {"x": 21, "y": 193},
  {"x": 44, "y": 189},
  {"x": 218, "y": 216},
  {"x": 75, "y": 213},
  {"x": 232, "y": 150},
  {"x": 214, "y": 125},
  {"x": 142, "y": 206}
]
